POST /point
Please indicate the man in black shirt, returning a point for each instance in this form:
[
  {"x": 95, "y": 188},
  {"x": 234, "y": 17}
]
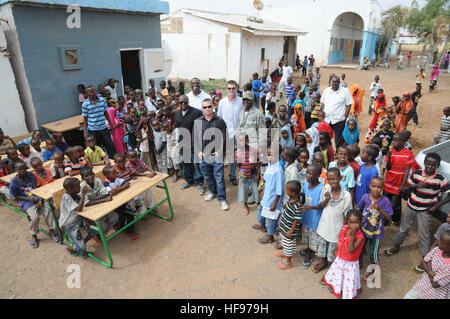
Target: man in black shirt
[
  {"x": 184, "y": 121},
  {"x": 210, "y": 145}
]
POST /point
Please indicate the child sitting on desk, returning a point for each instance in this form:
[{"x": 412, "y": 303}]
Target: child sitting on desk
[
  {"x": 37, "y": 151},
  {"x": 115, "y": 185},
  {"x": 95, "y": 153},
  {"x": 75, "y": 162},
  {"x": 72, "y": 203},
  {"x": 43, "y": 175},
  {"x": 9, "y": 163},
  {"x": 57, "y": 168},
  {"x": 98, "y": 193},
  {"x": 21, "y": 187},
  {"x": 50, "y": 150}
]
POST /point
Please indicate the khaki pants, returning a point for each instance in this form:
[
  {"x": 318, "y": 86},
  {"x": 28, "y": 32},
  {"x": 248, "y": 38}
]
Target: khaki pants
[
  {"x": 33, "y": 212},
  {"x": 424, "y": 220}
]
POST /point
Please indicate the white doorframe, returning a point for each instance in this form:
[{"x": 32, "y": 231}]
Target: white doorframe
[{"x": 141, "y": 66}]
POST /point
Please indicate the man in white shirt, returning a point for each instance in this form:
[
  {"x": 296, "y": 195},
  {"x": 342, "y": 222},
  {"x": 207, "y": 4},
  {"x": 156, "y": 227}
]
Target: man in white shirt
[
  {"x": 197, "y": 95},
  {"x": 151, "y": 102},
  {"x": 229, "y": 109},
  {"x": 374, "y": 87},
  {"x": 112, "y": 87},
  {"x": 336, "y": 102},
  {"x": 287, "y": 72}
]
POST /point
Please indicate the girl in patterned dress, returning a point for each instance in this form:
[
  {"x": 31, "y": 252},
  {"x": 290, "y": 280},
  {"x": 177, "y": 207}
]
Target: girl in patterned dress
[{"x": 343, "y": 277}]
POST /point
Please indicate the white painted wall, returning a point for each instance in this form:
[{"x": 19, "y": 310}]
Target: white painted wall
[
  {"x": 317, "y": 17},
  {"x": 12, "y": 120},
  {"x": 205, "y": 50},
  {"x": 251, "y": 54},
  {"x": 351, "y": 27}
]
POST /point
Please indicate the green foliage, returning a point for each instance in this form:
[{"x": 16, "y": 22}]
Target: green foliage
[
  {"x": 393, "y": 20},
  {"x": 212, "y": 84}
]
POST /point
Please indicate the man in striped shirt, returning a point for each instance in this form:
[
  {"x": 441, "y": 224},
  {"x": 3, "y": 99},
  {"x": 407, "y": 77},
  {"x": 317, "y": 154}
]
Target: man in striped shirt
[
  {"x": 424, "y": 200},
  {"x": 95, "y": 115}
]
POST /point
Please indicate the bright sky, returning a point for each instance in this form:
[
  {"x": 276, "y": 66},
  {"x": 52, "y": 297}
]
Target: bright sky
[{"x": 246, "y": 7}]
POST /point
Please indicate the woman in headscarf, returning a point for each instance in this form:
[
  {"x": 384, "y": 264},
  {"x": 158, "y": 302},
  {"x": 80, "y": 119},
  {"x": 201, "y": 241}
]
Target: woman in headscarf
[
  {"x": 404, "y": 107},
  {"x": 379, "y": 110},
  {"x": 117, "y": 131},
  {"x": 313, "y": 139},
  {"x": 357, "y": 94},
  {"x": 433, "y": 78},
  {"x": 351, "y": 132},
  {"x": 286, "y": 139},
  {"x": 298, "y": 118}
]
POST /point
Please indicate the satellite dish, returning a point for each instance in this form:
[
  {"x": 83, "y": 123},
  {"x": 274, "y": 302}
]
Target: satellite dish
[{"x": 258, "y": 5}]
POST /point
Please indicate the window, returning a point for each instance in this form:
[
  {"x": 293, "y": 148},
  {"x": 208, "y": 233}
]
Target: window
[{"x": 70, "y": 57}]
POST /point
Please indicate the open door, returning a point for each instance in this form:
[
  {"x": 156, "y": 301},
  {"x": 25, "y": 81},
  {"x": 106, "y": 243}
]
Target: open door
[{"x": 154, "y": 65}]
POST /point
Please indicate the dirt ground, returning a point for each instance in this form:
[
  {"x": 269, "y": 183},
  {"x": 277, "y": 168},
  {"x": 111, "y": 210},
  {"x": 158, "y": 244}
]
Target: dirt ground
[{"x": 206, "y": 252}]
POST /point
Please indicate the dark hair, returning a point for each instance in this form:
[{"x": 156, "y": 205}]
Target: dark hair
[
  {"x": 342, "y": 148},
  {"x": 34, "y": 160},
  {"x": 317, "y": 167},
  {"x": 118, "y": 155},
  {"x": 326, "y": 135},
  {"x": 354, "y": 150},
  {"x": 81, "y": 86},
  {"x": 376, "y": 140},
  {"x": 334, "y": 170},
  {"x": 85, "y": 171},
  {"x": 69, "y": 183},
  {"x": 355, "y": 212},
  {"x": 58, "y": 153},
  {"x": 296, "y": 188},
  {"x": 35, "y": 139},
  {"x": 406, "y": 135},
  {"x": 131, "y": 152},
  {"x": 378, "y": 178},
  {"x": 89, "y": 137},
  {"x": 10, "y": 150},
  {"x": 434, "y": 156},
  {"x": 303, "y": 150},
  {"x": 270, "y": 105},
  {"x": 302, "y": 95},
  {"x": 373, "y": 151},
  {"x": 291, "y": 153},
  {"x": 248, "y": 87},
  {"x": 232, "y": 82},
  {"x": 49, "y": 140},
  {"x": 305, "y": 142},
  {"x": 22, "y": 147},
  {"x": 107, "y": 169}
]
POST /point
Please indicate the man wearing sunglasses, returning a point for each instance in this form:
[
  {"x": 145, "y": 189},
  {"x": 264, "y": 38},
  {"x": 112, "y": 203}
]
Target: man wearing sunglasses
[
  {"x": 184, "y": 119},
  {"x": 210, "y": 141},
  {"x": 229, "y": 109}
]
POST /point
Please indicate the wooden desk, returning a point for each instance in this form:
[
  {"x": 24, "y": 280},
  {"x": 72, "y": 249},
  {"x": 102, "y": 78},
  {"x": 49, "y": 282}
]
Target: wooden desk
[
  {"x": 65, "y": 125},
  {"x": 8, "y": 178},
  {"x": 137, "y": 186}
]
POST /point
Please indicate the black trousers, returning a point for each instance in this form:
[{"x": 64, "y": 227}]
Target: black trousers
[
  {"x": 396, "y": 202},
  {"x": 413, "y": 115},
  {"x": 338, "y": 128},
  {"x": 104, "y": 140},
  {"x": 308, "y": 120}
]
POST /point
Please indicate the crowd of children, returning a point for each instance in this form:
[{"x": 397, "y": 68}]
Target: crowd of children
[{"x": 338, "y": 199}]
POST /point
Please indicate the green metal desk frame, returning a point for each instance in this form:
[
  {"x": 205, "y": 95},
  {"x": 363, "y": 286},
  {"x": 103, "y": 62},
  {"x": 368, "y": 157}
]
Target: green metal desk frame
[
  {"x": 52, "y": 210},
  {"x": 105, "y": 239}
]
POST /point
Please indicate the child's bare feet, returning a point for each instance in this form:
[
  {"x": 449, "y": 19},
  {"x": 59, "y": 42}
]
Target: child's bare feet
[
  {"x": 245, "y": 210},
  {"x": 72, "y": 251},
  {"x": 285, "y": 267},
  {"x": 319, "y": 267}
]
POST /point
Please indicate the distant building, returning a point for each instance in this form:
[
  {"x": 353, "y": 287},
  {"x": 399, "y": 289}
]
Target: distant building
[
  {"x": 51, "y": 54},
  {"x": 409, "y": 42},
  {"x": 338, "y": 31},
  {"x": 215, "y": 45}
]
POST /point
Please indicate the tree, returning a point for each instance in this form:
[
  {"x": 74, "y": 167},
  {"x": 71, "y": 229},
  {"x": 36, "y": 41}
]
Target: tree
[
  {"x": 392, "y": 20},
  {"x": 431, "y": 23}
]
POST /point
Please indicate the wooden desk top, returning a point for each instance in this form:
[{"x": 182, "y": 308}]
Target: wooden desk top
[
  {"x": 47, "y": 191},
  {"x": 137, "y": 186},
  {"x": 64, "y": 125},
  {"x": 2, "y": 156},
  {"x": 8, "y": 178}
]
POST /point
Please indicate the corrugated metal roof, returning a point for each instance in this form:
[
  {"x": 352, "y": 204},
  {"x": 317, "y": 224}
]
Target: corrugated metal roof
[
  {"x": 144, "y": 6},
  {"x": 244, "y": 21}
]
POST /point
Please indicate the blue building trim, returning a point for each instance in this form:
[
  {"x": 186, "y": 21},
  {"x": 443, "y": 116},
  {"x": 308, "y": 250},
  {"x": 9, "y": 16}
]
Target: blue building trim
[
  {"x": 335, "y": 56},
  {"x": 368, "y": 45},
  {"x": 145, "y": 6}
]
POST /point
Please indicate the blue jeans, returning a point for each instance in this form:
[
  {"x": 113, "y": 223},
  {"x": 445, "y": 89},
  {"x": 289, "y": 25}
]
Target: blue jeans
[
  {"x": 245, "y": 184},
  {"x": 232, "y": 174},
  {"x": 191, "y": 172},
  {"x": 213, "y": 174},
  {"x": 271, "y": 224},
  {"x": 73, "y": 231}
]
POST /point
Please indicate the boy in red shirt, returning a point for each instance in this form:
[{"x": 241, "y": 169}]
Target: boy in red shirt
[{"x": 398, "y": 163}]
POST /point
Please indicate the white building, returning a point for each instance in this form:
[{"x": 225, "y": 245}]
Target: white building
[
  {"x": 216, "y": 45},
  {"x": 338, "y": 31},
  {"x": 12, "y": 120}
]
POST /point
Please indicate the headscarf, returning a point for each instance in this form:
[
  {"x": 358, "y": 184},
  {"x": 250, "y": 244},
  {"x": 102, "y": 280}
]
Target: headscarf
[
  {"x": 313, "y": 133},
  {"x": 434, "y": 73},
  {"x": 377, "y": 105},
  {"x": 301, "y": 126},
  {"x": 360, "y": 96},
  {"x": 289, "y": 142},
  {"x": 349, "y": 137}
]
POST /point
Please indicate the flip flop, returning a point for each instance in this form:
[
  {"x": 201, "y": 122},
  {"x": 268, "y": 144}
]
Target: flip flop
[
  {"x": 258, "y": 227},
  {"x": 303, "y": 252},
  {"x": 262, "y": 241},
  {"x": 322, "y": 282},
  {"x": 418, "y": 270},
  {"x": 284, "y": 267},
  {"x": 33, "y": 243},
  {"x": 307, "y": 264},
  {"x": 388, "y": 252},
  {"x": 281, "y": 255}
]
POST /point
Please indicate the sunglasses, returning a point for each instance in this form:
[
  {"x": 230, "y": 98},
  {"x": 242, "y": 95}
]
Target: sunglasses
[
  {"x": 183, "y": 102},
  {"x": 231, "y": 89},
  {"x": 207, "y": 106}
]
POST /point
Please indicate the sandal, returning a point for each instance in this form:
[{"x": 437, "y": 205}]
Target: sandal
[
  {"x": 389, "y": 252},
  {"x": 418, "y": 270},
  {"x": 284, "y": 267},
  {"x": 322, "y": 281},
  {"x": 263, "y": 241},
  {"x": 34, "y": 243},
  {"x": 281, "y": 255},
  {"x": 307, "y": 264},
  {"x": 258, "y": 227},
  {"x": 135, "y": 237}
]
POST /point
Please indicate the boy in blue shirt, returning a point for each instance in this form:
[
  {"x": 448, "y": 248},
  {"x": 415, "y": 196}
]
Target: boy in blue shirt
[
  {"x": 367, "y": 171},
  {"x": 257, "y": 87},
  {"x": 20, "y": 187},
  {"x": 312, "y": 211},
  {"x": 50, "y": 150}
]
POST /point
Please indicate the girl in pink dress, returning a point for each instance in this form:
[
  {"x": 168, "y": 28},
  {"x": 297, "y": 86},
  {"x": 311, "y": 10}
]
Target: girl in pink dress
[
  {"x": 117, "y": 132},
  {"x": 343, "y": 277}
]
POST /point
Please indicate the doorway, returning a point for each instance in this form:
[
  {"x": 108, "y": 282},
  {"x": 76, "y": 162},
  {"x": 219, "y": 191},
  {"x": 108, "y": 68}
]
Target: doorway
[
  {"x": 289, "y": 50},
  {"x": 131, "y": 69}
]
